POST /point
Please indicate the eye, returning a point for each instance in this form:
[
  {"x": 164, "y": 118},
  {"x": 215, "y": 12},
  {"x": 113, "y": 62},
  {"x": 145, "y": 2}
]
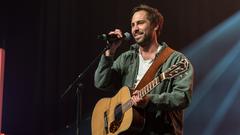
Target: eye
[
  {"x": 132, "y": 24},
  {"x": 141, "y": 22}
]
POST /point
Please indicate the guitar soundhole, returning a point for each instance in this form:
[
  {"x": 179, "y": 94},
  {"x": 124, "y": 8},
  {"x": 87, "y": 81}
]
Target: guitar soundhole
[{"x": 118, "y": 116}]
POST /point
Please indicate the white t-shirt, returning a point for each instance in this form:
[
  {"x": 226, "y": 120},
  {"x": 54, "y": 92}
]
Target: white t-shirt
[{"x": 144, "y": 66}]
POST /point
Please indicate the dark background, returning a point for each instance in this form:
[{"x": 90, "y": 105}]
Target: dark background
[{"x": 50, "y": 42}]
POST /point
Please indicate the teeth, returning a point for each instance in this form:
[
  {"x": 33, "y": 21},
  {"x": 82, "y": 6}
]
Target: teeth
[{"x": 138, "y": 33}]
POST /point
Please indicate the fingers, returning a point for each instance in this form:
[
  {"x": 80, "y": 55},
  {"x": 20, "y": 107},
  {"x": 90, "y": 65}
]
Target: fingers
[
  {"x": 114, "y": 44},
  {"x": 136, "y": 98},
  {"x": 116, "y": 32}
]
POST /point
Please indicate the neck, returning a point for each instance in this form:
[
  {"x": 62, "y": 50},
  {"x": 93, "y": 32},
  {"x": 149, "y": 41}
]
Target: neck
[
  {"x": 151, "y": 48},
  {"x": 149, "y": 51}
]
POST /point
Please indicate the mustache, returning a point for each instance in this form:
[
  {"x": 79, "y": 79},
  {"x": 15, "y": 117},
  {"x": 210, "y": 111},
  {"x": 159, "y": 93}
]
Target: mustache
[{"x": 137, "y": 32}]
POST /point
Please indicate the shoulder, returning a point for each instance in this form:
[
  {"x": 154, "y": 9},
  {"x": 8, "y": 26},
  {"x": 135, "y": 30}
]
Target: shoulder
[{"x": 175, "y": 57}]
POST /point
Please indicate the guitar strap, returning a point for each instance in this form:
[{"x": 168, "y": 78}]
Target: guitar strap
[{"x": 149, "y": 75}]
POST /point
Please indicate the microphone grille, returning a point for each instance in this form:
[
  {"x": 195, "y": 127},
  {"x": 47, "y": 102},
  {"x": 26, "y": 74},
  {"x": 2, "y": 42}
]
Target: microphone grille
[
  {"x": 127, "y": 36},
  {"x": 102, "y": 37}
]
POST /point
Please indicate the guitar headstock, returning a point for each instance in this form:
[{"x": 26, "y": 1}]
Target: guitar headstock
[{"x": 176, "y": 69}]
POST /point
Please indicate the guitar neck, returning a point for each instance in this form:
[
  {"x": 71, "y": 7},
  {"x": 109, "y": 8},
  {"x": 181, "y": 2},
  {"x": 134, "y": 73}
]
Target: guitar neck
[
  {"x": 173, "y": 71},
  {"x": 149, "y": 87},
  {"x": 144, "y": 91}
]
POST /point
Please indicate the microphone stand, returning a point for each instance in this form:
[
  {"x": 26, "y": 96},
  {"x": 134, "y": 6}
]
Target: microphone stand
[{"x": 76, "y": 82}]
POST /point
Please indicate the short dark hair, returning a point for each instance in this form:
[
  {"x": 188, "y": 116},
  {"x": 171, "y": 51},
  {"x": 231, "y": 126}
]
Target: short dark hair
[{"x": 154, "y": 16}]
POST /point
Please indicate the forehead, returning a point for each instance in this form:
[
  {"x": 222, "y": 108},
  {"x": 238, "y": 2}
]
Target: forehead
[{"x": 139, "y": 15}]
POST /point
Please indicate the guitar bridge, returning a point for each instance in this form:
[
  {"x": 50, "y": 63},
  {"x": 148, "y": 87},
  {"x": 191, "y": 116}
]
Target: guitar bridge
[{"x": 105, "y": 122}]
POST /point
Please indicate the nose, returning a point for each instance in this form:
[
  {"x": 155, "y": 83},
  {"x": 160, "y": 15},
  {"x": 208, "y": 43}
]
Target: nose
[{"x": 135, "y": 28}]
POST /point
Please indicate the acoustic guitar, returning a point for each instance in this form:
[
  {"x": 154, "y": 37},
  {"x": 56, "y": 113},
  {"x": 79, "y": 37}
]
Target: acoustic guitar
[{"x": 116, "y": 115}]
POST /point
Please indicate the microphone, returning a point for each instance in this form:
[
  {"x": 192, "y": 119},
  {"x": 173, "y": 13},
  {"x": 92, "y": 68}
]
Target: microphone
[{"x": 113, "y": 38}]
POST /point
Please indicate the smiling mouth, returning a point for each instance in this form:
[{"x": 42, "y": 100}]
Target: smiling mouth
[{"x": 138, "y": 35}]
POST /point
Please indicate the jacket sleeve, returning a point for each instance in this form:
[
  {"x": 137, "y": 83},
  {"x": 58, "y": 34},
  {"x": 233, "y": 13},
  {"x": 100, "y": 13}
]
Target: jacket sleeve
[
  {"x": 107, "y": 73},
  {"x": 177, "y": 94}
]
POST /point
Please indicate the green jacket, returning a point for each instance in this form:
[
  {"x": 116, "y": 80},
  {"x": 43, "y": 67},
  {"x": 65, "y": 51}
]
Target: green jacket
[{"x": 167, "y": 100}]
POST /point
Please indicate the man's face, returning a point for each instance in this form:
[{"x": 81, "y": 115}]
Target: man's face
[{"x": 141, "y": 28}]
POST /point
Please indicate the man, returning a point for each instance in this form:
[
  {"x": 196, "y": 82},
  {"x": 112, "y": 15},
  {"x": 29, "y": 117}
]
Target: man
[{"x": 165, "y": 104}]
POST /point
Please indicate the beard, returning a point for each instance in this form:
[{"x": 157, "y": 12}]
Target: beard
[{"x": 145, "y": 40}]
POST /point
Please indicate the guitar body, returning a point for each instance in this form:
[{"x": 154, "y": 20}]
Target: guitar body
[
  {"x": 116, "y": 116},
  {"x": 108, "y": 118}
]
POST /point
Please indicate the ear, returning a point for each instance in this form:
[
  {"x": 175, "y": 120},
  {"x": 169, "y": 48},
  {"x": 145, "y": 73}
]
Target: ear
[{"x": 156, "y": 27}]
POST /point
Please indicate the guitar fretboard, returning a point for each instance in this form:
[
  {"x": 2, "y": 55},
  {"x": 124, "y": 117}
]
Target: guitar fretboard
[
  {"x": 144, "y": 91},
  {"x": 173, "y": 71}
]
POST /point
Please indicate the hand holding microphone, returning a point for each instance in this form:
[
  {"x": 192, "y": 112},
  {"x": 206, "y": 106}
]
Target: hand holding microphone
[{"x": 114, "y": 39}]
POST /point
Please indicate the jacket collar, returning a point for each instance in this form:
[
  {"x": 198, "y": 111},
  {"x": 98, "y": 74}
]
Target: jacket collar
[{"x": 135, "y": 47}]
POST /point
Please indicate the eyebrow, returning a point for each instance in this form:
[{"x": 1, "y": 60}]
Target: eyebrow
[{"x": 139, "y": 21}]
